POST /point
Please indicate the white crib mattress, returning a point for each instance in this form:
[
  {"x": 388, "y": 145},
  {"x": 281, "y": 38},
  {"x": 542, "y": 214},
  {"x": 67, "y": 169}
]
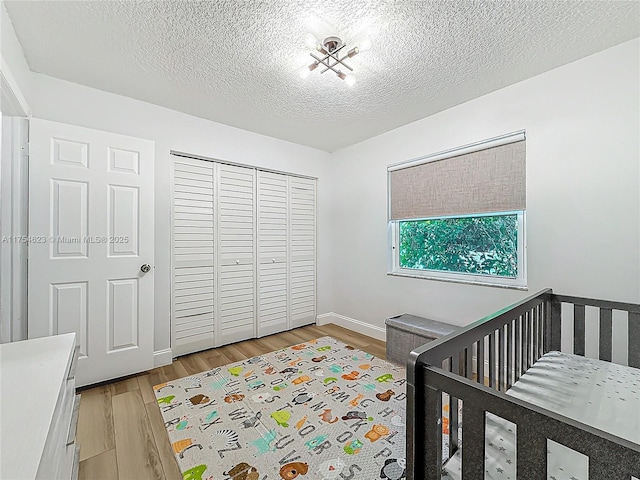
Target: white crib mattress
[{"x": 597, "y": 393}]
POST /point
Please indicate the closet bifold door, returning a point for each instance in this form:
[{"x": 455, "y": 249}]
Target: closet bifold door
[
  {"x": 302, "y": 251},
  {"x": 236, "y": 254},
  {"x": 273, "y": 275},
  {"x": 192, "y": 306}
]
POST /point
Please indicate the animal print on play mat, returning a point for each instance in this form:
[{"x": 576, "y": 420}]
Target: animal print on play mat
[{"x": 318, "y": 410}]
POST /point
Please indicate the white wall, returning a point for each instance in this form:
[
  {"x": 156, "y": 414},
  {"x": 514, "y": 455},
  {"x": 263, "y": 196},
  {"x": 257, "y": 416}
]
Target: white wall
[
  {"x": 583, "y": 201},
  {"x": 66, "y": 102},
  {"x": 15, "y": 71}
]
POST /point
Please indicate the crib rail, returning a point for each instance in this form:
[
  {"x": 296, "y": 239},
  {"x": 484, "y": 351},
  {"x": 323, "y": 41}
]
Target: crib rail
[
  {"x": 610, "y": 457},
  {"x": 605, "y": 316},
  {"x": 478, "y": 363}
]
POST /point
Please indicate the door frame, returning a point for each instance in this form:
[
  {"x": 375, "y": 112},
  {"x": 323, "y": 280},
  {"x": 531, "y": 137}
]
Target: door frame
[
  {"x": 14, "y": 188},
  {"x": 13, "y": 220}
]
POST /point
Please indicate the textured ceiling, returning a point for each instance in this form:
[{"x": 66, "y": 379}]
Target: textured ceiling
[{"x": 236, "y": 61}]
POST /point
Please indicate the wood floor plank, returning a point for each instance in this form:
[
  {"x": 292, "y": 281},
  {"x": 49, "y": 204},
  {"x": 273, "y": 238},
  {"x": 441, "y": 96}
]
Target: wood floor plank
[
  {"x": 167, "y": 458},
  {"x": 194, "y": 363},
  {"x": 135, "y": 444},
  {"x": 377, "y": 351},
  {"x": 232, "y": 352},
  {"x": 219, "y": 360},
  {"x": 166, "y": 373},
  {"x": 146, "y": 389},
  {"x": 95, "y": 422},
  {"x": 103, "y": 466},
  {"x": 292, "y": 338},
  {"x": 274, "y": 342},
  {"x": 353, "y": 338},
  {"x": 180, "y": 369},
  {"x": 128, "y": 384},
  {"x": 251, "y": 348}
]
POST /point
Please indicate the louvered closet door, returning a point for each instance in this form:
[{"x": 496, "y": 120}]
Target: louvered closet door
[
  {"x": 272, "y": 253},
  {"x": 302, "y": 251},
  {"x": 193, "y": 305},
  {"x": 236, "y": 281}
]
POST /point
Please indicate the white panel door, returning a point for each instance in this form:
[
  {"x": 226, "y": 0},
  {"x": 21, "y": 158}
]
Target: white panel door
[
  {"x": 91, "y": 230},
  {"x": 302, "y": 251},
  {"x": 236, "y": 254},
  {"x": 193, "y": 313},
  {"x": 273, "y": 311}
]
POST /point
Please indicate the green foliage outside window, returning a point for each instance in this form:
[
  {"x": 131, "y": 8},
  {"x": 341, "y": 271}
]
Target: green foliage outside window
[{"x": 486, "y": 245}]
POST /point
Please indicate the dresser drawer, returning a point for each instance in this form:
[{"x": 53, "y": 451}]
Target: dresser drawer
[
  {"x": 69, "y": 465},
  {"x": 76, "y": 463},
  {"x": 74, "y": 362},
  {"x": 73, "y": 426}
]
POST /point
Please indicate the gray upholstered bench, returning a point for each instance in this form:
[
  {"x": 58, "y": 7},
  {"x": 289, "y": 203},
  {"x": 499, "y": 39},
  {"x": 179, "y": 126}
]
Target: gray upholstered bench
[{"x": 407, "y": 332}]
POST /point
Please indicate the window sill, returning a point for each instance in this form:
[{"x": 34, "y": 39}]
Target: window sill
[{"x": 456, "y": 280}]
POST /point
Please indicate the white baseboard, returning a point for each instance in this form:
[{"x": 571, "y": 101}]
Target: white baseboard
[
  {"x": 162, "y": 357},
  {"x": 374, "y": 331}
]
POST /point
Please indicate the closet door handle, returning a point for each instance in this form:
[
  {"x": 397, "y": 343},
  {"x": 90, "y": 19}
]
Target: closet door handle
[
  {"x": 237, "y": 262},
  {"x": 145, "y": 268}
]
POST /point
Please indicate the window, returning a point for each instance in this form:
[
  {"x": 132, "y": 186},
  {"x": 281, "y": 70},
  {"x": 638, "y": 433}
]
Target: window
[
  {"x": 471, "y": 248},
  {"x": 453, "y": 218}
]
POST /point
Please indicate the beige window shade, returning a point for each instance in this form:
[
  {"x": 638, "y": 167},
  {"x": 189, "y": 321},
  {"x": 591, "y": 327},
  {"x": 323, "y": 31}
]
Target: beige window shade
[{"x": 490, "y": 180}]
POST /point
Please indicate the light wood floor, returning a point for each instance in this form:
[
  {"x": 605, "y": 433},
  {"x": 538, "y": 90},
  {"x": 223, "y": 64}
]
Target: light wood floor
[{"x": 120, "y": 429}]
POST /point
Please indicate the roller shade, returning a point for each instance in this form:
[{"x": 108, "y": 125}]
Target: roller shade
[{"x": 481, "y": 181}]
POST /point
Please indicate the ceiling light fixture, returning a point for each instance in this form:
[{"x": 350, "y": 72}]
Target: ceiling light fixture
[{"x": 331, "y": 58}]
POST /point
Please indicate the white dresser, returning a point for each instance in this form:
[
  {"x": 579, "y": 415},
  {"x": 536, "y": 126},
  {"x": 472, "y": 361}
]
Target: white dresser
[{"x": 38, "y": 409}]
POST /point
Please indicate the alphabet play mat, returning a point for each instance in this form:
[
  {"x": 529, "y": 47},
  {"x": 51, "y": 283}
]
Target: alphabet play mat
[{"x": 315, "y": 411}]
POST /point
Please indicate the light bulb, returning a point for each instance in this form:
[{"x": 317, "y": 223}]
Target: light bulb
[
  {"x": 365, "y": 45},
  {"x": 321, "y": 49},
  {"x": 353, "y": 52},
  {"x": 350, "y": 80}
]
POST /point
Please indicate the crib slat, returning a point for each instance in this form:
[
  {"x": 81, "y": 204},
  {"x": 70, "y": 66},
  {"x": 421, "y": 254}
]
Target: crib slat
[
  {"x": 480, "y": 361},
  {"x": 517, "y": 345},
  {"x": 605, "y": 334},
  {"x": 432, "y": 449},
  {"x": 492, "y": 359},
  {"x": 453, "y": 410},
  {"x": 523, "y": 344},
  {"x": 556, "y": 325},
  {"x": 526, "y": 332},
  {"x": 532, "y": 337},
  {"x": 541, "y": 330},
  {"x": 509, "y": 354},
  {"x": 546, "y": 308},
  {"x": 531, "y": 455},
  {"x": 537, "y": 353},
  {"x": 534, "y": 322},
  {"x": 634, "y": 332},
  {"x": 501, "y": 358},
  {"x": 468, "y": 362},
  {"x": 578, "y": 330},
  {"x": 474, "y": 435}
]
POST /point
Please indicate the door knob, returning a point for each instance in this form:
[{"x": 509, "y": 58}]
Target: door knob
[{"x": 145, "y": 268}]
